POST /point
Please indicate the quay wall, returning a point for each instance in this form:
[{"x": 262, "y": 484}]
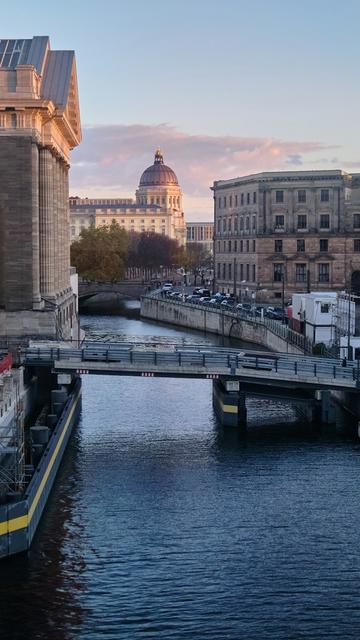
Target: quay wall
[{"x": 214, "y": 321}]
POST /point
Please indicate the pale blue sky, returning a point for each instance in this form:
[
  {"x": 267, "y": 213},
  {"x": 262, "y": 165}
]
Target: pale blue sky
[{"x": 278, "y": 71}]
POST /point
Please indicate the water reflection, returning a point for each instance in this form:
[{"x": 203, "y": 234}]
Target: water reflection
[
  {"x": 163, "y": 525},
  {"x": 39, "y": 591}
]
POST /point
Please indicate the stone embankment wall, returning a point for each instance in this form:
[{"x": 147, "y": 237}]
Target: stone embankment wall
[{"x": 214, "y": 321}]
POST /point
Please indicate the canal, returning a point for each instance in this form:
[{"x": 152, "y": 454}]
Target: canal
[{"x": 162, "y": 525}]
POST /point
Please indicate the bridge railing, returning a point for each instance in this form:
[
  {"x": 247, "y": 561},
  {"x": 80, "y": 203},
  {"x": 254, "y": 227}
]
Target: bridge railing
[{"x": 204, "y": 361}]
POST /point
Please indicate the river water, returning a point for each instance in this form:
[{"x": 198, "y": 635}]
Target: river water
[{"x": 162, "y": 525}]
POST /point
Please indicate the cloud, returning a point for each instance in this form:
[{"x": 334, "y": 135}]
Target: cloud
[{"x": 111, "y": 159}]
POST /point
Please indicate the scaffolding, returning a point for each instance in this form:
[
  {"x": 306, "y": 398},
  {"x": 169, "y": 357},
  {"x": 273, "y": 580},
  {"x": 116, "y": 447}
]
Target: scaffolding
[{"x": 12, "y": 440}]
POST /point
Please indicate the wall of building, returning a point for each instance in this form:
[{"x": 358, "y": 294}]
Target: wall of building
[{"x": 287, "y": 231}]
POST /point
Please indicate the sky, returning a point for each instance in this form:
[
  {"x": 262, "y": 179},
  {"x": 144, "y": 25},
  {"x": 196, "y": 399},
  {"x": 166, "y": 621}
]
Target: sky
[{"x": 224, "y": 88}]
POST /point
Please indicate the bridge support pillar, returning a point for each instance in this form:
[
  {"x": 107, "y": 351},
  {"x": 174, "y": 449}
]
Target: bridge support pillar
[
  {"x": 229, "y": 402},
  {"x": 325, "y": 411}
]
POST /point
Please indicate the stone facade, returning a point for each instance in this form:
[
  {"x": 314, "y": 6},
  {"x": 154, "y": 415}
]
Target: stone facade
[
  {"x": 158, "y": 207},
  {"x": 201, "y": 233},
  {"x": 39, "y": 125},
  {"x": 286, "y": 232}
]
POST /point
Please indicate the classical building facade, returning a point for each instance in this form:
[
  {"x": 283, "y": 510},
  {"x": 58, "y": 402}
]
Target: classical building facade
[
  {"x": 201, "y": 233},
  {"x": 39, "y": 125},
  {"x": 158, "y": 206},
  {"x": 280, "y": 233}
]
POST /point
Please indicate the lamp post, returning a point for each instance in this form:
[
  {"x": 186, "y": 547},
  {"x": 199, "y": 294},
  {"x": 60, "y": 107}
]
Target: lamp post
[
  {"x": 283, "y": 296},
  {"x": 349, "y": 347},
  {"x": 235, "y": 268}
]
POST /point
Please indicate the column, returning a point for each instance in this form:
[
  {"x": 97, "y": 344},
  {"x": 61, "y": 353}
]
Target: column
[
  {"x": 35, "y": 227},
  {"x": 56, "y": 251},
  {"x": 46, "y": 221}
]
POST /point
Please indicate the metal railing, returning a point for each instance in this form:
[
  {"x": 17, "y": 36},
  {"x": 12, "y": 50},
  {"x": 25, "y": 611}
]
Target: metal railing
[
  {"x": 197, "y": 360},
  {"x": 275, "y": 326}
]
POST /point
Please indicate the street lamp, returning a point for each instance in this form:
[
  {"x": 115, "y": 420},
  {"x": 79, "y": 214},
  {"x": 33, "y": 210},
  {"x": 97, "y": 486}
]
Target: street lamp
[{"x": 283, "y": 296}]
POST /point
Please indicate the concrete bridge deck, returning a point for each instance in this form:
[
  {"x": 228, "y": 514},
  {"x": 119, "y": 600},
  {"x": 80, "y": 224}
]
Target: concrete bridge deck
[{"x": 275, "y": 370}]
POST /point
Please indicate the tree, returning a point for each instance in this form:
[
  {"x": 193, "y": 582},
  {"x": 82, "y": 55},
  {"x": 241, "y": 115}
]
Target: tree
[
  {"x": 197, "y": 260},
  {"x": 151, "y": 250},
  {"x": 100, "y": 253}
]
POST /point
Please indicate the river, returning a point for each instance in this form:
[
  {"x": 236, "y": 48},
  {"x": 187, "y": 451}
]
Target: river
[{"x": 163, "y": 525}]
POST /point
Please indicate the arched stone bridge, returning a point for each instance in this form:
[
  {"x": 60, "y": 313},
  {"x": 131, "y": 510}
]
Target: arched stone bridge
[{"x": 125, "y": 289}]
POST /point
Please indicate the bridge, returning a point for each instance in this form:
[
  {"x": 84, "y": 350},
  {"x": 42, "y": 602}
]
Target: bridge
[
  {"x": 125, "y": 289},
  {"x": 199, "y": 361}
]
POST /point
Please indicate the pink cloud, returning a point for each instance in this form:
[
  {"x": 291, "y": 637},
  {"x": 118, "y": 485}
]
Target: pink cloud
[{"x": 111, "y": 159}]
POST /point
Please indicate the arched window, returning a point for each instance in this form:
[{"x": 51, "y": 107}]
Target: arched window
[
  {"x": 247, "y": 223},
  {"x": 241, "y": 224}
]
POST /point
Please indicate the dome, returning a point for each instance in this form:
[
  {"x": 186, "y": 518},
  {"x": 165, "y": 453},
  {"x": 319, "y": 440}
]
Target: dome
[{"x": 158, "y": 174}]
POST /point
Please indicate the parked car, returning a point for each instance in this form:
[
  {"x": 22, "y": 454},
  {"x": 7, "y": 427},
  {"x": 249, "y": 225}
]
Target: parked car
[
  {"x": 243, "y": 307},
  {"x": 204, "y": 292},
  {"x": 193, "y": 298},
  {"x": 205, "y": 299},
  {"x": 167, "y": 286}
]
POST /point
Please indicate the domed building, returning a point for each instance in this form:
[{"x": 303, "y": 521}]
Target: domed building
[{"x": 158, "y": 206}]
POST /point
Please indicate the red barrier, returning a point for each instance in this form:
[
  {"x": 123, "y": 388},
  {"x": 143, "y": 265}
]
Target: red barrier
[{"x": 6, "y": 363}]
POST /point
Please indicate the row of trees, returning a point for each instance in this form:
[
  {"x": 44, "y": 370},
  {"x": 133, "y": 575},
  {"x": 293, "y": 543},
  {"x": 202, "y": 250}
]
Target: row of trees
[{"x": 105, "y": 253}]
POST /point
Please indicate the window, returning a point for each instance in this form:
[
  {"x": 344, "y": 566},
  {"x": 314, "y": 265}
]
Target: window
[
  {"x": 236, "y": 224},
  {"x": 229, "y": 225},
  {"x": 219, "y": 203},
  {"x": 254, "y": 197},
  {"x": 224, "y": 202},
  {"x": 247, "y": 246},
  {"x": 279, "y": 222},
  {"x": 241, "y": 224},
  {"x": 230, "y": 201},
  {"x": 278, "y": 246},
  {"x": 324, "y": 196},
  {"x": 242, "y": 198},
  {"x": 236, "y": 201},
  {"x": 247, "y": 223},
  {"x": 254, "y": 223},
  {"x": 324, "y": 245},
  {"x": 224, "y": 225},
  {"x": 356, "y": 220},
  {"x": 324, "y": 272},
  {"x": 302, "y": 221},
  {"x": 279, "y": 196},
  {"x": 229, "y": 270},
  {"x": 324, "y": 308},
  {"x": 357, "y": 245},
  {"x": 254, "y": 272},
  {"x": 229, "y": 246},
  {"x": 301, "y": 195},
  {"x": 235, "y": 246},
  {"x": 254, "y": 246},
  {"x": 241, "y": 272},
  {"x": 241, "y": 246},
  {"x": 324, "y": 221},
  {"x": 219, "y": 225},
  {"x": 278, "y": 271},
  {"x": 248, "y": 198},
  {"x": 248, "y": 272},
  {"x": 218, "y": 269},
  {"x": 300, "y": 272},
  {"x": 224, "y": 271},
  {"x": 219, "y": 246},
  {"x": 300, "y": 246}
]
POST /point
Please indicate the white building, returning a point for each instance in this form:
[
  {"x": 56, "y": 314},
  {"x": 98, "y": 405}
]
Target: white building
[{"x": 325, "y": 317}]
